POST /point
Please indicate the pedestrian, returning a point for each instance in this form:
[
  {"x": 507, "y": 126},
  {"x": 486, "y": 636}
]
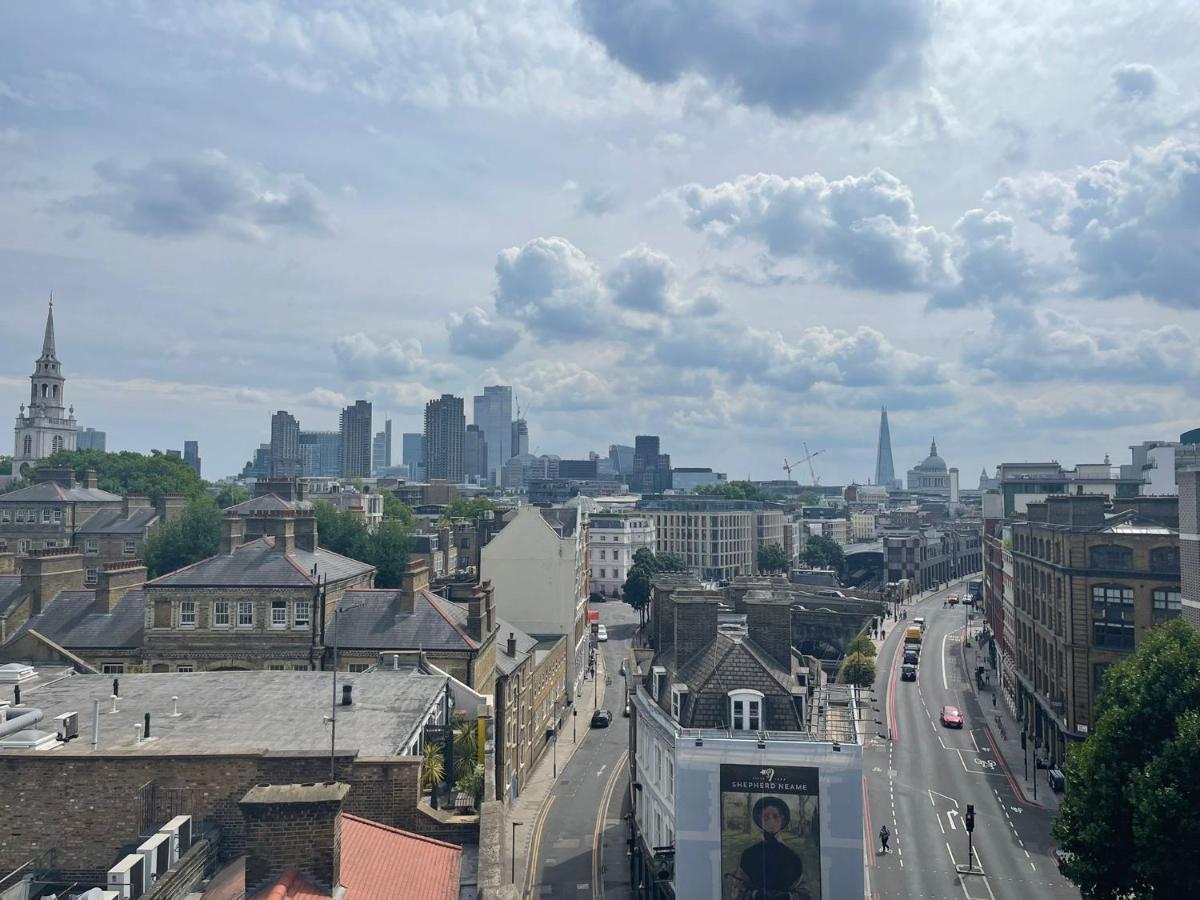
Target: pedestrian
[{"x": 884, "y": 834}]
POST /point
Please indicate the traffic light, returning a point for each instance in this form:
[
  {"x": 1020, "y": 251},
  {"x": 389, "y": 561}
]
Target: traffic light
[{"x": 970, "y": 818}]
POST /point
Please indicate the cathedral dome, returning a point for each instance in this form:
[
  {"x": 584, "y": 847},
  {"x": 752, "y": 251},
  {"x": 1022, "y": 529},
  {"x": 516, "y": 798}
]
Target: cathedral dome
[{"x": 933, "y": 462}]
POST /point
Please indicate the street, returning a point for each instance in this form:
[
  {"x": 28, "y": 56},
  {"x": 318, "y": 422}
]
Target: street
[
  {"x": 921, "y": 781},
  {"x": 585, "y": 807}
]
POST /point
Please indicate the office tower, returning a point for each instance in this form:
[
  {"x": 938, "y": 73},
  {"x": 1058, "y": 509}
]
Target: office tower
[
  {"x": 412, "y": 454},
  {"x": 620, "y": 457},
  {"x": 381, "y": 448},
  {"x": 191, "y": 455},
  {"x": 91, "y": 439},
  {"x": 285, "y": 445},
  {"x": 355, "y": 431},
  {"x": 520, "y": 437},
  {"x": 493, "y": 414},
  {"x": 475, "y": 455},
  {"x": 319, "y": 454},
  {"x": 885, "y": 472},
  {"x": 651, "y": 469},
  {"x": 445, "y": 433}
]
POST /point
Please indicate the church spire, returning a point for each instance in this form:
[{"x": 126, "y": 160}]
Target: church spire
[
  {"x": 933, "y": 447},
  {"x": 48, "y": 340}
]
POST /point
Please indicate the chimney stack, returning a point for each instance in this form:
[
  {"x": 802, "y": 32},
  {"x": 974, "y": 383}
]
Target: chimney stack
[
  {"x": 306, "y": 531},
  {"x": 89, "y": 479},
  {"x": 131, "y": 503},
  {"x": 115, "y": 581},
  {"x": 695, "y": 626},
  {"x": 297, "y": 826},
  {"x": 171, "y": 506},
  {"x": 416, "y": 578},
  {"x": 477, "y": 615},
  {"x": 233, "y": 530},
  {"x": 512, "y": 644},
  {"x": 769, "y": 624},
  {"x": 282, "y": 527},
  {"x": 46, "y": 572}
]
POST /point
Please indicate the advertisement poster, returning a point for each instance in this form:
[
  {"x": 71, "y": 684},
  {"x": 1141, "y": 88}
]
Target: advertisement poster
[{"x": 770, "y": 833}]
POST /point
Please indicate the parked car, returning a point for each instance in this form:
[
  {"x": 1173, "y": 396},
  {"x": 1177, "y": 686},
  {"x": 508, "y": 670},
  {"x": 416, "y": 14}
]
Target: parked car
[
  {"x": 908, "y": 672},
  {"x": 951, "y": 717},
  {"x": 601, "y": 718},
  {"x": 830, "y": 592},
  {"x": 601, "y": 633}
]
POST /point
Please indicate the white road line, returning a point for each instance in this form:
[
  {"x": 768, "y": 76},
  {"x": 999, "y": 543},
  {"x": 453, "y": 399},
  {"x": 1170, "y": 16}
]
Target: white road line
[
  {"x": 945, "y": 686},
  {"x": 973, "y": 742}
]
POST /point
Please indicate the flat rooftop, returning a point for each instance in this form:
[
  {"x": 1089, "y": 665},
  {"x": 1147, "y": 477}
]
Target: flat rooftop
[{"x": 237, "y": 712}]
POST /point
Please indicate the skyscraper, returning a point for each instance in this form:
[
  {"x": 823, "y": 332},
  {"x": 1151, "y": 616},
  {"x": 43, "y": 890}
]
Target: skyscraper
[
  {"x": 520, "y": 437},
  {"x": 381, "y": 448},
  {"x": 191, "y": 455},
  {"x": 651, "y": 469},
  {"x": 493, "y": 413},
  {"x": 412, "y": 454},
  {"x": 355, "y": 430},
  {"x": 885, "y": 471},
  {"x": 475, "y": 455},
  {"x": 319, "y": 454},
  {"x": 445, "y": 433},
  {"x": 285, "y": 445},
  {"x": 91, "y": 439}
]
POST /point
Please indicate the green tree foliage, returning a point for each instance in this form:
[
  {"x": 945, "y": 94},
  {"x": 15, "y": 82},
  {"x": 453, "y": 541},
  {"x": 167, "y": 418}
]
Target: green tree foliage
[
  {"x": 132, "y": 473},
  {"x": 433, "y": 768},
  {"x": 394, "y": 508},
  {"x": 1132, "y": 807},
  {"x": 636, "y": 590},
  {"x": 861, "y": 644},
  {"x": 732, "y": 490},
  {"x": 825, "y": 553},
  {"x": 469, "y": 508},
  {"x": 859, "y": 669},
  {"x": 345, "y": 533},
  {"x": 772, "y": 558},
  {"x": 230, "y": 495},
  {"x": 194, "y": 536},
  {"x": 6, "y": 465}
]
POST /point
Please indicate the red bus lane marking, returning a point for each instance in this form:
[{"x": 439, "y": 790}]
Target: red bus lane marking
[{"x": 893, "y": 724}]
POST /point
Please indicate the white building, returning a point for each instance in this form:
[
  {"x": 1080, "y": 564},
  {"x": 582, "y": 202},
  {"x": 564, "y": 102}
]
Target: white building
[
  {"x": 367, "y": 507},
  {"x": 48, "y": 426},
  {"x": 537, "y": 564},
  {"x": 837, "y": 530},
  {"x": 612, "y": 541},
  {"x": 864, "y": 526}
]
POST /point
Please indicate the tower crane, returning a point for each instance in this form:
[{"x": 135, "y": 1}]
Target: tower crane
[
  {"x": 787, "y": 467},
  {"x": 808, "y": 458}
]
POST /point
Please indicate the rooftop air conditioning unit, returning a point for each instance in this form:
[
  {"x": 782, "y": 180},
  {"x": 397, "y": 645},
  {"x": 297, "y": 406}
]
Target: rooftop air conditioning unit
[
  {"x": 128, "y": 877},
  {"x": 67, "y": 726},
  {"x": 180, "y": 829},
  {"x": 157, "y": 852}
]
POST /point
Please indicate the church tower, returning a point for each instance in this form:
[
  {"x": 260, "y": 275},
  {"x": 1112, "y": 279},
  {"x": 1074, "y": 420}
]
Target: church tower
[{"x": 48, "y": 425}]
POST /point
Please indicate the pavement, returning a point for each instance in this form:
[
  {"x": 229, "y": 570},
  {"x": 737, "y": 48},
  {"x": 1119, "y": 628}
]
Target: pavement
[{"x": 921, "y": 779}]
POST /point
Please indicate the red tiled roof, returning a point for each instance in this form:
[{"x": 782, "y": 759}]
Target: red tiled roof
[
  {"x": 382, "y": 863},
  {"x": 294, "y": 886}
]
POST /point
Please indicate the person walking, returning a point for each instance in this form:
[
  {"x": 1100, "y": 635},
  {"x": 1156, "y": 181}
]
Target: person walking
[{"x": 884, "y": 835}]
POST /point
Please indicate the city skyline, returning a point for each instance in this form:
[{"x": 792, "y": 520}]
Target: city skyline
[{"x": 921, "y": 238}]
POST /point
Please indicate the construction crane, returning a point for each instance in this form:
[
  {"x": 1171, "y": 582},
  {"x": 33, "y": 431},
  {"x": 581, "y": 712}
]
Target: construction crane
[
  {"x": 808, "y": 458},
  {"x": 787, "y": 467}
]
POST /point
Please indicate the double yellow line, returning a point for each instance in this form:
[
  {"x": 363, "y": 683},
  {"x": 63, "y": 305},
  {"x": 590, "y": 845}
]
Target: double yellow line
[
  {"x": 601, "y": 815},
  {"x": 535, "y": 846}
]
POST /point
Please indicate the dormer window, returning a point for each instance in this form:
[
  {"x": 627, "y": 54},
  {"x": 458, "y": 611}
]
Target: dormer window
[
  {"x": 657, "y": 675},
  {"x": 745, "y": 710},
  {"x": 678, "y": 693}
]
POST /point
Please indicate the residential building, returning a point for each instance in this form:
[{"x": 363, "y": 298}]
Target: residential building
[
  {"x": 445, "y": 434},
  {"x": 520, "y": 437},
  {"x": 1022, "y": 483},
  {"x": 530, "y": 674},
  {"x": 285, "y": 445},
  {"x": 1189, "y": 543},
  {"x": 885, "y": 470},
  {"x": 493, "y": 415},
  {"x": 930, "y": 475},
  {"x": 686, "y": 479},
  {"x": 91, "y": 439},
  {"x": 355, "y": 432},
  {"x": 413, "y": 455},
  {"x": 365, "y": 506},
  {"x": 475, "y": 456},
  {"x": 721, "y": 696},
  {"x": 714, "y": 537},
  {"x": 538, "y": 565},
  {"x": 864, "y": 525},
  {"x": 48, "y": 426},
  {"x": 613, "y": 539},
  {"x": 320, "y": 454},
  {"x": 1089, "y": 586},
  {"x": 191, "y": 456},
  {"x": 837, "y": 530},
  {"x": 381, "y": 449}
]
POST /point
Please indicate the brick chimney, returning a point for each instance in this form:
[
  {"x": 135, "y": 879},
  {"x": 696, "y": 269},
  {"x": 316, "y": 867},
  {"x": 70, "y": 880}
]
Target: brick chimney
[
  {"x": 769, "y": 624},
  {"x": 89, "y": 479},
  {"x": 695, "y": 626},
  {"x": 171, "y": 506},
  {"x": 46, "y": 572},
  {"x": 293, "y": 826},
  {"x": 64, "y": 476},
  {"x": 416, "y": 578},
  {"x": 115, "y": 580},
  {"x": 131, "y": 503},
  {"x": 477, "y": 616},
  {"x": 306, "y": 531},
  {"x": 282, "y": 527},
  {"x": 233, "y": 530},
  {"x": 512, "y": 644}
]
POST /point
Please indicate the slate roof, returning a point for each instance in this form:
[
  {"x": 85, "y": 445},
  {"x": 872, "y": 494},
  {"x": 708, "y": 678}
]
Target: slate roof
[
  {"x": 373, "y": 620},
  {"x": 268, "y": 503},
  {"x": 10, "y": 592},
  {"x": 113, "y": 521},
  {"x": 525, "y": 645},
  {"x": 258, "y": 564},
  {"x": 72, "y": 621},
  {"x": 562, "y": 519},
  {"x": 52, "y": 491}
]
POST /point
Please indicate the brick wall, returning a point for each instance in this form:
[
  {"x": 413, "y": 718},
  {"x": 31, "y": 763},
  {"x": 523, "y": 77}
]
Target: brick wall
[{"x": 293, "y": 826}]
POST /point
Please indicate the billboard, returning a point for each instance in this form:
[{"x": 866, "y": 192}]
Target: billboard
[{"x": 770, "y": 832}]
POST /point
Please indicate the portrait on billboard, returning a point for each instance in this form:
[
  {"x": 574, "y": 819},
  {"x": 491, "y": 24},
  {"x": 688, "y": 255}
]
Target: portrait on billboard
[{"x": 770, "y": 833}]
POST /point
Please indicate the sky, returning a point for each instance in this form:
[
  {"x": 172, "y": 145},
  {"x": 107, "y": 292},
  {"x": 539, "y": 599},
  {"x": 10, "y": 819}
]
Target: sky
[{"x": 744, "y": 227}]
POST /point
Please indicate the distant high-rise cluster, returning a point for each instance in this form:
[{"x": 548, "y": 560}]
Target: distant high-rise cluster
[
  {"x": 445, "y": 435},
  {"x": 355, "y": 428}
]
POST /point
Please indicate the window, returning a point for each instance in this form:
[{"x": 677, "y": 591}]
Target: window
[
  {"x": 24, "y": 545},
  {"x": 276, "y": 667},
  {"x": 279, "y": 614},
  {"x": 130, "y": 548},
  {"x": 245, "y": 613},
  {"x": 602, "y": 571},
  {"x": 670, "y": 777},
  {"x": 27, "y": 444},
  {"x": 57, "y": 514},
  {"x": 1112, "y": 616},
  {"x": 113, "y": 668},
  {"x": 90, "y": 575},
  {"x": 602, "y": 554},
  {"x": 1110, "y": 556},
  {"x": 1164, "y": 559},
  {"x": 745, "y": 710},
  {"x": 677, "y": 695},
  {"x": 185, "y": 668},
  {"x": 1166, "y": 602},
  {"x": 187, "y": 614},
  {"x": 357, "y": 667},
  {"x": 220, "y": 616},
  {"x": 91, "y": 548},
  {"x": 45, "y": 515},
  {"x": 303, "y": 610},
  {"x": 5, "y": 516}
]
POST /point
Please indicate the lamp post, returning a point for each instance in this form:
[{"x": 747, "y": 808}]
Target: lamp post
[
  {"x": 333, "y": 700},
  {"x": 514, "y": 851}
]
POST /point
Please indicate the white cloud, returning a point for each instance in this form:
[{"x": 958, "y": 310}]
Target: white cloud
[
  {"x": 324, "y": 398},
  {"x": 643, "y": 280},
  {"x": 364, "y": 358},
  {"x": 551, "y": 287},
  {"x": 477, "y": 334}
]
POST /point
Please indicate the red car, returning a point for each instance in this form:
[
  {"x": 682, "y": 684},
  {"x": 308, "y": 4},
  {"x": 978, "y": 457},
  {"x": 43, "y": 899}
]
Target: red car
[{"x": 951, "y": 717}]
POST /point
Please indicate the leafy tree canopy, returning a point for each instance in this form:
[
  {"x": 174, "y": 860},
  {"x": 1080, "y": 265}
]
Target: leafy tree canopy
[
  {"x": 825, "y": 553},
  {"x": 469, "y": 508},
  {"x": 863, "y": 645},
  {"x": 732, "y": 490},
  {"x": 387, "y": 548},
  {"x": 194, "y": 536},
  {"x": 1132, "y": 806},
  {"x": 132, "y": 473},
  {"x": 772, "y": 558},
  {"x": 859, "y": 669},
  {"x": 228, "y": 495},
  {"x": 636, "y": 590},
  {"x": 394, "y": 508}
]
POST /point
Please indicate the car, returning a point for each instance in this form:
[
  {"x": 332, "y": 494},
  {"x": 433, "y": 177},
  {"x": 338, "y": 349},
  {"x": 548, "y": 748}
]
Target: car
[
  {"x": 601, "y": 718},
  {"x": 908, "y": 672},
  {"x": 601, "y": 633},
  {"x": 829, "y": 592},
  {"x": 919, "y": 621},
  {"x": 911, "y": 657},
  {"x": 952, "y": 599},
  {"x": 951, "y": 717}
]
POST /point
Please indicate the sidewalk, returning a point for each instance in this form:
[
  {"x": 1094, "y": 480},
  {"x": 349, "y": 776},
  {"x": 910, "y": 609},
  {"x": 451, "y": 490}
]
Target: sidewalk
[{"x": 530, "y": 807}]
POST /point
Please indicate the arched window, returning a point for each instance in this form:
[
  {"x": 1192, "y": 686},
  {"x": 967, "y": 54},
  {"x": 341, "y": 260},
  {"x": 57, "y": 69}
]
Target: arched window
[
  {"x": 1164, "y": 559},
  {"x": 28, "y": 445},
  {"x": 1110, "y": 556},
  {"x": 745, "y": 710},
  {"x": 56, "y": 392},
  {"x": 57, "y": 443}
]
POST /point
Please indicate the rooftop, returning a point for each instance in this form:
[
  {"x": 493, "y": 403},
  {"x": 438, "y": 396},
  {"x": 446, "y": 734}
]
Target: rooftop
[
  {"x": 257, "y": 563},
  {"x": 52, "y": 492},
  {"x": 240, "y": 712},
  {"x": 72, "y": 621},
  {"x": 114, "y": 521},
  {"x": 375, "y": 619}
]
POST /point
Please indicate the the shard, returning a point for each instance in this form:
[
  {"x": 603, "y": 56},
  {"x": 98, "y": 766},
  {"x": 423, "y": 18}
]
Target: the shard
[{"x": 885, "y": 471}]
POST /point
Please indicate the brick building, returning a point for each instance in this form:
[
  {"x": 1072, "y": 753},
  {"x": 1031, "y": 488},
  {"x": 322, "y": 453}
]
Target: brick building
[
  {"x": 530, "y": 674},
  {"x": 1088, "y": 587},
  {"x": 1189, "y": 542}
]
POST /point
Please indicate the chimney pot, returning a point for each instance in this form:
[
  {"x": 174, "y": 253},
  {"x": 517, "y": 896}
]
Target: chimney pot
[
  {"x": 146, "y": 729},
  {"x": 512, "y": 644},
  {"x": 116, "y": 687},
  {"x": 347, "y": 689}
]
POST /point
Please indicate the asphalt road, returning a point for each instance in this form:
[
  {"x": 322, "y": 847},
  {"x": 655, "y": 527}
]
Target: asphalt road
[
  {"x": 589, "y": 798},
  {"x": 921, "y": 781}
]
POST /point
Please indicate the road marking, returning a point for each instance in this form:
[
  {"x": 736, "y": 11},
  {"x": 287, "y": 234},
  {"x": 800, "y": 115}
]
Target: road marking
[
  {"x": 944, "y": 797},
  {"x": 535, "y": 844},
  {"x": 973, "y": 741},
  {"x": 950, "y": 814},
  {"x": 601, "y": 815},
  {"x": 945, "y": 686}
]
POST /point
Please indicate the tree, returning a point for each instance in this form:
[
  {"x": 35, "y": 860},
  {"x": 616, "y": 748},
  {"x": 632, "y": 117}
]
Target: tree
[
  {"x": 194, "y": 536},
  {"x": 732, "y": 490},
  {"x": 772, "y": 558},
  {"x": 387, "y": 549},
  {"x": 858, "y": 669},
  {"x": 393, "y": 508},
  {"x": 469, "y": 508},
  {"x": 230, "y": 495},
  {"x": 432, "y": 766},
  {"x": 132, "y": 473},
  {"x": 342, "y": 532},
  {"x": 1133, "y": 785},
  {"x": 636, "y": 590},
  {"x": 861, "y": 644},
  {"x": 825, "y": 553}
]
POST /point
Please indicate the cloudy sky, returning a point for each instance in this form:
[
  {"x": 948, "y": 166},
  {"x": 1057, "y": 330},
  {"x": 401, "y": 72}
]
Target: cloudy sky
[{"x": 741, "y": 226}]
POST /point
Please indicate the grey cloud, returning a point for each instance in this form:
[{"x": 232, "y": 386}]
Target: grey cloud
[
  {"x": 792, "y": 56},
  {"x": 477, "y": 334},
  {"x": 364, "y": 358},
  {"x": 179, "y": 197},
  {"x": 989, "y": 266},
  {"x": 551, "y": 287},
  {"x": 1135, "y": 81},
  {"x": 643, "y": 280}
]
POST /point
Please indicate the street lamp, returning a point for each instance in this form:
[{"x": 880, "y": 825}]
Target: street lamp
[{"x": 514, "y": 851}]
